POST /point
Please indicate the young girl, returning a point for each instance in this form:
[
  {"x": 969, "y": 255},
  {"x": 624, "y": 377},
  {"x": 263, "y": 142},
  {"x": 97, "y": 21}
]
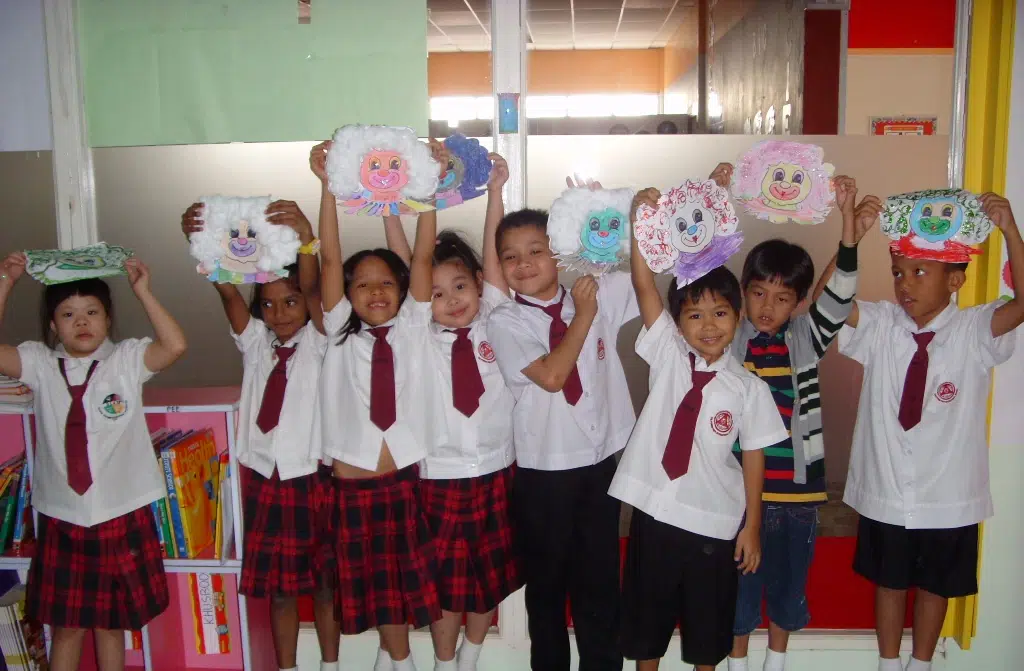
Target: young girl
[
  {"x": 98, "y": 563},
  {"x": 381, "y": 410},
  {"x": 467, "y": 478},
  {"x": 280, "y": 335}
]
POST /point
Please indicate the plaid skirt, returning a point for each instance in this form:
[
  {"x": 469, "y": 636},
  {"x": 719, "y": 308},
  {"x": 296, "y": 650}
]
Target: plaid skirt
[
  {"x": 107, "y": 576},
  {"x": 472, "y": 534},
  {"x": 287, "y": 549},
  {"x": 385, "y": 569}
]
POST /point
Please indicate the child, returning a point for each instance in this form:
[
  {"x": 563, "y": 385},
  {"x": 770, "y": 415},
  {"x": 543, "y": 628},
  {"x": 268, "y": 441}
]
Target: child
[
  {"x": 677, "y": 472},
  {"x": 784, "y": 351},
  {"x": 280, "y": 335},
  {"x": 557, "y": 353},
  {"x": 381, "y": 411},
  {"x": 98, "y": 563},
  {"x": 919, "y": 470},
  {"x": 467, "y": 479}
]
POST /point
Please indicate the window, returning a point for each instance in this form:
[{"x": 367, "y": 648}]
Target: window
[{"x": 464, "y": 108}]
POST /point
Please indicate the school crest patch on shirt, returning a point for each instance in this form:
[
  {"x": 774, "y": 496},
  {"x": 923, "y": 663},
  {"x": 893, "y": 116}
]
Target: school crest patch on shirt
[
  {"x": 600, "y": 349},
  {"x": 721, "y": 423},
  {"x": 113, "y": 406},
  {"x": 946, "y": 392},
  {"x": 486, "y": 352}
]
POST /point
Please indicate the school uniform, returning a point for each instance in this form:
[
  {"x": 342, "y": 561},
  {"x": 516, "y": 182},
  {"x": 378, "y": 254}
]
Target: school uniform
[
  {"x": 375, "y": 388},
  {"x": 467, "y": 480},
  {"x": 565, "y": 442},
  {"x": 679, "y": 474},
  {"x": 919, "y": 472},
  {"x": 287, "y": 549},
  {"x": 98, "y": 562}
]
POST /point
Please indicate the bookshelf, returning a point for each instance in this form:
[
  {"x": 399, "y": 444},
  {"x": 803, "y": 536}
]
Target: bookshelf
[{"x": 168, "y": 641}]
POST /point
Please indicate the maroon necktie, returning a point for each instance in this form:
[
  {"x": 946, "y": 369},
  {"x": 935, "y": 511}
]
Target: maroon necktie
[
  {"x": 382, "y": 380},
  {"x": 76, "y": 440},
  {"x": 573, "y": 388},
  {"x": 273, "y": 393},
  {"x": 912, "y": 401},
  {"x": 680, "y": 439},
  {"x": 467, "y": 385}
]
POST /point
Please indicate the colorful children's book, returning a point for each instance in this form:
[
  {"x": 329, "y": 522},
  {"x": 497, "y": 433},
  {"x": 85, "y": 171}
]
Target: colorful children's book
[
  {"x": 10, "y": 503},
  {"x": 209, "y": 613},
  {"x": 192, "y": 464},
  {"x": 222, "y": 501},
  {"x": 22, "y": 515}
]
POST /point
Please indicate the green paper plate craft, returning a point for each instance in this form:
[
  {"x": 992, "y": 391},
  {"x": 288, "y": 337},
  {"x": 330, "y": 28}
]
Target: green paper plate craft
[
  {"x": 57, "y": 266},
  {"x": 935, "y": 224}
]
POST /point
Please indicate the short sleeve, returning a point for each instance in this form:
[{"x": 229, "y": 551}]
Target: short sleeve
[
  {"x": 414, "y": 314},
  {"x": 335, "y": 320},
  {"x": 859, "y": 343},
  {"x": 33, "y": 354},
  {"x": 255, "y": 332},
  {"x": 131, "y": 359},
  {"x": 652, "y": 344},
  {"x": 492, "y": 297},
  {"x": 762, "y": 425},
  {"x": 515, "y": 346},
  {"x": 318, "y": 340},
  {"x": 989, "y": 351},
  {"x": 616, "y": 298}
]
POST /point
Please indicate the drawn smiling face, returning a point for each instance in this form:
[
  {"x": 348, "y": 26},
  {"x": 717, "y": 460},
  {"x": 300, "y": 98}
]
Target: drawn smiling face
[
  {"x": 241, "y": 250},
  {"x": 384, "y": 173},
  {"x": 602, "y": 235},
  {"x": 692, "y": 228},
  {"x": 82, "y": 262},
  {"x": 785, "y": 185},
  {"x": 936, "y": 219},
  {"x": 453, "y": 174}
]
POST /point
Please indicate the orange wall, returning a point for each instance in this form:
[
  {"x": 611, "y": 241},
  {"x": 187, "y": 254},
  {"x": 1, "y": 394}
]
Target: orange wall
[{"x": 552, "y": 72}]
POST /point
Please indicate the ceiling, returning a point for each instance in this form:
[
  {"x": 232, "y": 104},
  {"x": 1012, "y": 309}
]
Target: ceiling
[{"x": 465, "y": 25}]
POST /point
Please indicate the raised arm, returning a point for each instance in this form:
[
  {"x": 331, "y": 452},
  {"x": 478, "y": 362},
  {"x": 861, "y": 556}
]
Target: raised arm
[
  {"x": 1010, "y": 315},
  {"x": 551, "y": 371},
  {"x": 647, "y": 295},
  {"x": 287, "y": 213},
  {"x": 168, "y": 339},
  {"x": 332, "y": 279},
  {"x": 495, "y": 211},
  {"x": 11, "y": 270},
  {"x": 421, "y": 270},
  {"x": 394, "y": 234},
  {"x": 234, "y": 305}
]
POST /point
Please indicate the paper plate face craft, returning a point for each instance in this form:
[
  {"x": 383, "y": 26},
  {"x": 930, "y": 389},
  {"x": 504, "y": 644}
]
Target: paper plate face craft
[
  {"x": 467, "y": 170},
  {"x": 380, "y": 170},
  {"x": 936, "y": 224},
  {"x": 692, "y": 232},
  {"x": 589, "y": 230},
  {"x": 237, "y": 244},
  {"x": 57, "y": 266},
  {"x": 785, "y": 181}
]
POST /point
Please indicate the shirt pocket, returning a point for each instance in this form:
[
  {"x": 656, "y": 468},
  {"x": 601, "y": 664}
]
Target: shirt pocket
[
  {"x": 942, "y": 389},
  {"x": 717, "y": 425},
  {"x": 112, "y": 405}
]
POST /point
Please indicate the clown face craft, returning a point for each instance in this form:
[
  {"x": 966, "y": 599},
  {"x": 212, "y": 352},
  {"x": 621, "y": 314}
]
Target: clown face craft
[
  {"x": 467, "y": 169},
  {"x": 589, "y": 229},
  {"x": 936, "y": 224},
  {"x": 785, "y": 181},
  {"x": 692, "y": 231}
]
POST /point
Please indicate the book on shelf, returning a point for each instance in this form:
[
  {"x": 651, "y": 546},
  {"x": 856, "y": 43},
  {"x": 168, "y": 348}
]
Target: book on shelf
[
  {"x": 187, "y": 517},
  {"x": 8, "y": 506},
  {"x": 14, "y": 396},
  {"x": 21, "y": 640},
  {"x": 132, "y": 640},
  {"x": 209, "y": 613}
]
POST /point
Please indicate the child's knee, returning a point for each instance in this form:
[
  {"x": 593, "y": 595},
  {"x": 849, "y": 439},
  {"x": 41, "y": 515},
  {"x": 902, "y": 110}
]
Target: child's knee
[
  {"x": 283, "y": 601},
  {"x": 324, "y": 595}
]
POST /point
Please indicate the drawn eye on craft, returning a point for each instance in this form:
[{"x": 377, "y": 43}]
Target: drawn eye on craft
[
  {"x": 614, "y": 224},
  {"x": 595, "y": 224},
  {"x": 587, "y": 229},
  {"x": 935, "y": 224}
]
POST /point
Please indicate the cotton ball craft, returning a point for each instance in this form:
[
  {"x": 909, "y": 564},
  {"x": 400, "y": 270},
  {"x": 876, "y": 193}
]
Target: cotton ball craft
[
  {"x": 785, "y": 181},
  {"x": 589, "y": 229},
  {"x": 468, "y": 168},
  {"x": 935, "y": 224},
  {"x": 381, "y": 170},
  {"x": 690, "y": 233},
  {"x": 238, "y": 245}
]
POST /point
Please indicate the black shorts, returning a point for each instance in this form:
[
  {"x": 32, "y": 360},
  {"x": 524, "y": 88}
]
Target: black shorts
[
  {"x": 674, "y": 577},
  {"x": 941, "y": 561}
]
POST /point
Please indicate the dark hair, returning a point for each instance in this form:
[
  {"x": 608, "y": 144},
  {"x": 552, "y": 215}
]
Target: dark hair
[
  {"x": 451, "y": 246},
  {"x": 719, "y": 282},
  {"x": 778, "y": 260},
  {"x": 619, "y": 129},
  {"x": 952, "y": 267},
  {"x": 520, "y": 219},
  {"x": 394, "y": 263},
  {"x": 257, "y": 291},
  {"x": 55, "y": 294},
  {"x": 667, "y": 128}
]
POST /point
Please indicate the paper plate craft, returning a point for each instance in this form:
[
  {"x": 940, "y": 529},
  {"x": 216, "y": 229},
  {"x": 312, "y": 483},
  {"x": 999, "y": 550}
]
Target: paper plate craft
[
  {"x": 785, "y": 181},
  {"x": 589, "y": 229},
  {"x": 380, "y": 170},
  {"x": 467, "y": 170},
  {"x": 57, "y": 266},
  {"x": 692, "y": 231},
  {"x": 237, "y": 245},
  {"x": 936, "y": 224}
]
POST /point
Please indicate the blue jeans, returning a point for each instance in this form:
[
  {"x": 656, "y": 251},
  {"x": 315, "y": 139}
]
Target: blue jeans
[{"x": 787, "y": 547}]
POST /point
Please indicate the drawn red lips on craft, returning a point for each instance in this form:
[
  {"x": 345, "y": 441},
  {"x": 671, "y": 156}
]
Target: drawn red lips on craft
[{"x": 722, "y": 423}]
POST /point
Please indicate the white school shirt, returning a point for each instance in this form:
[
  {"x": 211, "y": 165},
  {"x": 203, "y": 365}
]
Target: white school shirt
[
  {"x": 348, "y": 434},
  {"x": 125, "y": 475},
  {"x": 293, "y": 446},
  {"x": 710, "y": 498},
  {"x": 550, "y": 434},
  {"x": 934, "y": 476},
  {"x": 482, "y": 443}
]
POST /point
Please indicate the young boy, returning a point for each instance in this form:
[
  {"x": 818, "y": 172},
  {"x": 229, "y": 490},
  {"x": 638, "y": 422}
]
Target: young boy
[
  {"x": 919, "y": 464},
  {"x": 689, "y": 494},
  {"x": 573, "y": 412},
  {"x": 784, "y": 351}
]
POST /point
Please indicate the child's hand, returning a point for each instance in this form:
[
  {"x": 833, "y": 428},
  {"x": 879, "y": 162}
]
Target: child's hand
[
  {"x": 318, "y": 160},
  {"x": 499, "y": 172},
  {"x": 722, "y": 175},
  {"x": 438, "y": 151},
  {"x": 12, "y": 269},
  {"x": 138, "y": 276},
  {"x": 584, "y": 295},
  {"x": 648, "y": 196},
  {"x": 191, "y": 221},
  {"x": 865, "y": 215},
  {"x": 287, "y": 213},
  {"x": 748, "y": 550},
  {"x": 998, "y": 210},
  {"x": 580, "y": 183},
  {"x": 846, "y": 192}
]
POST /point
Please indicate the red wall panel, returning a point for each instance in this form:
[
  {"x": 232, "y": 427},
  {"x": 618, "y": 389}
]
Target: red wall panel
[{"x": 902, "y": 24}]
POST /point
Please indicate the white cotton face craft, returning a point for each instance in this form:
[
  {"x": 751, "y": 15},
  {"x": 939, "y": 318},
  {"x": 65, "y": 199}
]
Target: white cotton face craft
[
  {"x": 237, "y": 245},
  {"x": 935, "y": 224},
  {"x": 785, "y": 181},
  {"x": 589, "y": 229}
]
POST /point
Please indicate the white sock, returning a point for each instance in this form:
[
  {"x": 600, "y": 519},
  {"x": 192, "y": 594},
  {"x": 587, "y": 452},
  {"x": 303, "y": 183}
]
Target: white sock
[
  {"x": 775, "y": 661},
  {"x": 442, "y": 665},
  {"x": 469, "y": 653},
  {"x": 405, "y": 665},
  {"x": 918, "y": 665},
  {"x": 890, "y": 664},
  {"x": 737, "y": 664},
  {"x": 383, "y": 662},
  {"x": 328, "y": 666}
]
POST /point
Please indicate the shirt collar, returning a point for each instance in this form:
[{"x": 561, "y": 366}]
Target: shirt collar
[
  {"x": 939, "y": 322},
  {"x": 700, "y": 364},
  {"x": 105, "y": 349},
  {"x": 764, "y": 338},
  {"x": 294, "y": 341},
  {"x": 558, "y": 296}
]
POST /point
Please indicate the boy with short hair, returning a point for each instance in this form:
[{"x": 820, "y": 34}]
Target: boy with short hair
[
  {"x": 919, "y": 465},
  {"x": 689, "y": 494},
  {"x": 784, "y": 351}
]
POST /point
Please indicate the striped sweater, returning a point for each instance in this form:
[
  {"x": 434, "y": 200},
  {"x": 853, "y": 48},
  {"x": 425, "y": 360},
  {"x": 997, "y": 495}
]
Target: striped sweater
[{"x": 807, "y": 338}]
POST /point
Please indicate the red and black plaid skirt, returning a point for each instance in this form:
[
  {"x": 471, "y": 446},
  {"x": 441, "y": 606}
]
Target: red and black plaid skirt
[
  {"x": 472, "y": 534},
  {"x": 107, "y": 576},
  {"x": 287, "y": 549},
  {"x": 382, "y": 546}
]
